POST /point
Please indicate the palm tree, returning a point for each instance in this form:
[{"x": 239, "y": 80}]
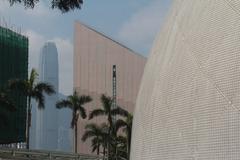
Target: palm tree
[
  {"x": 32, "y": 90},
  {"x": 126, "y": 125},
  {"x": 108, "y": 111},
  {"x": 121, "y": 147},
  {"x": 75, "y": 103},
  {"x": 98, "y": 135}
]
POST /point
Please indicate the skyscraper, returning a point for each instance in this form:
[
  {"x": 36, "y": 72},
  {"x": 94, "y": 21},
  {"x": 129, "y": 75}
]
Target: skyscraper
[
  {"x": 48, "y": 132},
  {"x": 46, "y": 124}
]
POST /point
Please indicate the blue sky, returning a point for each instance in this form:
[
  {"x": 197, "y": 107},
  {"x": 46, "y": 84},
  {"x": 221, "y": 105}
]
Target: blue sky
[{"x": 135, "y": 23}]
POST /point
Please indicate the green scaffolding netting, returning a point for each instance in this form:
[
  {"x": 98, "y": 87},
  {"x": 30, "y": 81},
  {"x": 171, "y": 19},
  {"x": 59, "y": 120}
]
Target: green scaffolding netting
[{"x": 13, "y": 65}]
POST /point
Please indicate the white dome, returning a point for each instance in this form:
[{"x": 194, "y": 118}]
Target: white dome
[{"x": 188, "y": 104}]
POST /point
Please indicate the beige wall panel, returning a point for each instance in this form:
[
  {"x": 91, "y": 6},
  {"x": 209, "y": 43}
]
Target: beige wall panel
[
  {"x": 95, "y": 54},
  {"x": 188, "y": 102}
]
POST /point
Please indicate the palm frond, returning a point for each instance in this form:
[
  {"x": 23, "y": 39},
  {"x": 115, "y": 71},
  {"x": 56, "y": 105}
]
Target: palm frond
[
  {"x": 74, "y": 98},
  {"x": 82, "y": 112},
  {"x": 67, "y": 5},
  {"x": 93, "y": 130},
  {"x": 104, "y": 127},
  {"x": 63, "y": 103},
  {"x": 121, "y": 139},
  {"x": 87, "y": 134},
  {"x": 97, "y": 140},
  {"x": 75, "y": 103},
  {"x": 73, "y": 122},
  {"x": 84, "y": 99},
  {"x": 33, "y": 77},
  {"x": 120, "y": 124},
  {"x": 39, "y": 97},
  {"x": 91, "y": 126},
  {"x": 120, "y": 111},
  {"x": 95, "y": 113},
  {"x": 80, "y": 101},
  {"x": 106, "y": 102},
  {"x": 94, "y": 148},
  {"x": 44, "y": 88},
  {"x": 129, "y": 120}
]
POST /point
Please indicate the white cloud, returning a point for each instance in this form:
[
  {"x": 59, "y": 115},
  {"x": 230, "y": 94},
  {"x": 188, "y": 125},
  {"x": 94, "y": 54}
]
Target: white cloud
[
  {"x": 65, "y": 58},
  {"x": 35, "y": 42},
  {"x": 41, "y": 10},
  {"x": 17, "y": 15},
  {"x": 43, "y": 19},
  {"x": 140, "y": 30}
]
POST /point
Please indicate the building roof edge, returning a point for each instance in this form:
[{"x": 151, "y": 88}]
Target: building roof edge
[{"x": 115, "y": 41}]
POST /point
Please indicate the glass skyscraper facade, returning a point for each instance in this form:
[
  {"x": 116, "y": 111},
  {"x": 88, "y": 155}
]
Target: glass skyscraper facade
[
  {"x": 50, "y": 128},
  {"x": 45, "y": 121}
]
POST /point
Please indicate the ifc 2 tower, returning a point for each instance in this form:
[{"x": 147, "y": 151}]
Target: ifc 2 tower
[{"x": 45, "y": 127}]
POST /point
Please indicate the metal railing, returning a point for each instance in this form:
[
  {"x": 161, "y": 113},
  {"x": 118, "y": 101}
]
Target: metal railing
[{"x": 24, "y": 154}]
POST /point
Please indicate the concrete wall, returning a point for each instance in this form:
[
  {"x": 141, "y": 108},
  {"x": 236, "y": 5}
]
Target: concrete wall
[
  {"x": 94, "y": 56},
  {"x": 188, "y": 103}
]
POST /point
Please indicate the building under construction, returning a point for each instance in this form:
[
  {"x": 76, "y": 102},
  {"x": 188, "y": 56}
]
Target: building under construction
[{"x": 13, "y": 65}]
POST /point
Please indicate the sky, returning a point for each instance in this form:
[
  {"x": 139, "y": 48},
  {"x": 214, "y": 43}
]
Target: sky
[{"x": 134, "y": 23}]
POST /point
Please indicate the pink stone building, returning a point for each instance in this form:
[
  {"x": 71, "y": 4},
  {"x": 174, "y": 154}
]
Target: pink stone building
[{"x": 94, "y": 56}]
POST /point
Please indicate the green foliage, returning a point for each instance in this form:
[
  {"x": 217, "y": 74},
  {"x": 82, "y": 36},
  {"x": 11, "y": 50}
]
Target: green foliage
[
  {"x": 126, "y": 126},
  {"x": 62, "y": 5},
  {"x": 26, "y": 3},
  {"x": 117, "y": 136},
  {"x": 66, "y": 5},
  {"x": 98, "y": 135},
  {"x": 107, "y": 110},
  {"x": 32, "y": 90},
  {"x": 75, "y": 102}
]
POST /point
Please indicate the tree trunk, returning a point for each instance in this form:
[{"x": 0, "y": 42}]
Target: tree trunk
[
  {"x": 109, "y": 134},
  {"x": 98, "y": 149},
  {"x": 104, "y": 152},
  {"x": 76, "y": 133},
  {"x": 108, "y": 143},
  {"x": 28, "y": 122},
  {"x": 129, "y": 135}
]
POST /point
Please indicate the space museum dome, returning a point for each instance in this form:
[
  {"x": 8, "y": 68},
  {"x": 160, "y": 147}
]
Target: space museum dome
[{"x": 188, "y": 105}]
